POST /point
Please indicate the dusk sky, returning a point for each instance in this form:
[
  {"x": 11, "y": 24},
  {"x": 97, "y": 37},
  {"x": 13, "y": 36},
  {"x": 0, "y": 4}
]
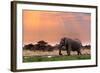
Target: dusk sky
[{"x": 52, "y": 26}]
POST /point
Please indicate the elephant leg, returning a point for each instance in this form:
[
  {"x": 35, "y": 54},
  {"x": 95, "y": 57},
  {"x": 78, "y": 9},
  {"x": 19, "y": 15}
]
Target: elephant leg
[
  {"x": 60, "y": 52},
  {"x": 79, "y": 52},
  {"x": 69, "y": 49},
  {"x": 68, "y": 52}
]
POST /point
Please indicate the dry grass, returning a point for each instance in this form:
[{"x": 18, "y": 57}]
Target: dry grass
[{"x": 52, "y": 53}]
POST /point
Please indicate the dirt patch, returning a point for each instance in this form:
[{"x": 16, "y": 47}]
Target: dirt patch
[{"x": 53, "y": 53}]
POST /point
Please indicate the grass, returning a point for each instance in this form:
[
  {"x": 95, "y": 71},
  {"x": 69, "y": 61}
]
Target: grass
[{"x": 54, "y": 58}]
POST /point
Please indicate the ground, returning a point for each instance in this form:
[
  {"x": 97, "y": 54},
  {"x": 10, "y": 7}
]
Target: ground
[{"x": 38, "y": 56}]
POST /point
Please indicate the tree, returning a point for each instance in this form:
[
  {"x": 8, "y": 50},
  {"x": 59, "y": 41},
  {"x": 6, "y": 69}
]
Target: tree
[
  {"x": 50, "y": 48},
  {"x": 42, "y": 45},
  {"x": 87, "y": 46},
  {"x": 29, "y": 47}
]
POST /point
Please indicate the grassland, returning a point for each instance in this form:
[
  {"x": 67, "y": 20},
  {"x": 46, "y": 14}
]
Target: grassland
[
  {"x": 40, "y": 56},
  {"x": 55, "y": 58},
  {"x": 52, "y": 53}
]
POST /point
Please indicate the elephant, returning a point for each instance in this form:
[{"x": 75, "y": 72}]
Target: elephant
[{"x": 70, "y": 45}]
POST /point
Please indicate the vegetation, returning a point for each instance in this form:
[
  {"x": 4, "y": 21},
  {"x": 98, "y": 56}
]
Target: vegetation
[
  {"x": 41, "y": 46},
  {"x": 39, "y": 52},
  {"x": 44, "y": 46},
  {"x": 55, "y": 58}
]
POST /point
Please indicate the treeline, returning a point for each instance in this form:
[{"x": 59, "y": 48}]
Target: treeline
[
  {"x": 87, "y": 46},
  {"x": 41, "y": 46}
]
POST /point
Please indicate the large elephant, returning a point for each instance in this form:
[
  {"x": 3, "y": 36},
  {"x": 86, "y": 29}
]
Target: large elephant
[{"x": 70, "y": 45}]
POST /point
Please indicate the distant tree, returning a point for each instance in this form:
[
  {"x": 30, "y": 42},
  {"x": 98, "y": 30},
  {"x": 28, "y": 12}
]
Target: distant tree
[
  {"x": 87, "y": 46},
  {"x": 41, "y": 45},
  {"x": 50, "y": 48},
  {"x": 29, "y": 47},
  {"x": 56, "y": 46}
]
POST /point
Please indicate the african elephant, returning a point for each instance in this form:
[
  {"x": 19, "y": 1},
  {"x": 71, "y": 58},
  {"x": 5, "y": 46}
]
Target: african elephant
[{"x": 70, "y": 45}]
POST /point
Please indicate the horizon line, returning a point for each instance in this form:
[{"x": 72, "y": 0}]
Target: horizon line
[{"x": 53, "y": 44}]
